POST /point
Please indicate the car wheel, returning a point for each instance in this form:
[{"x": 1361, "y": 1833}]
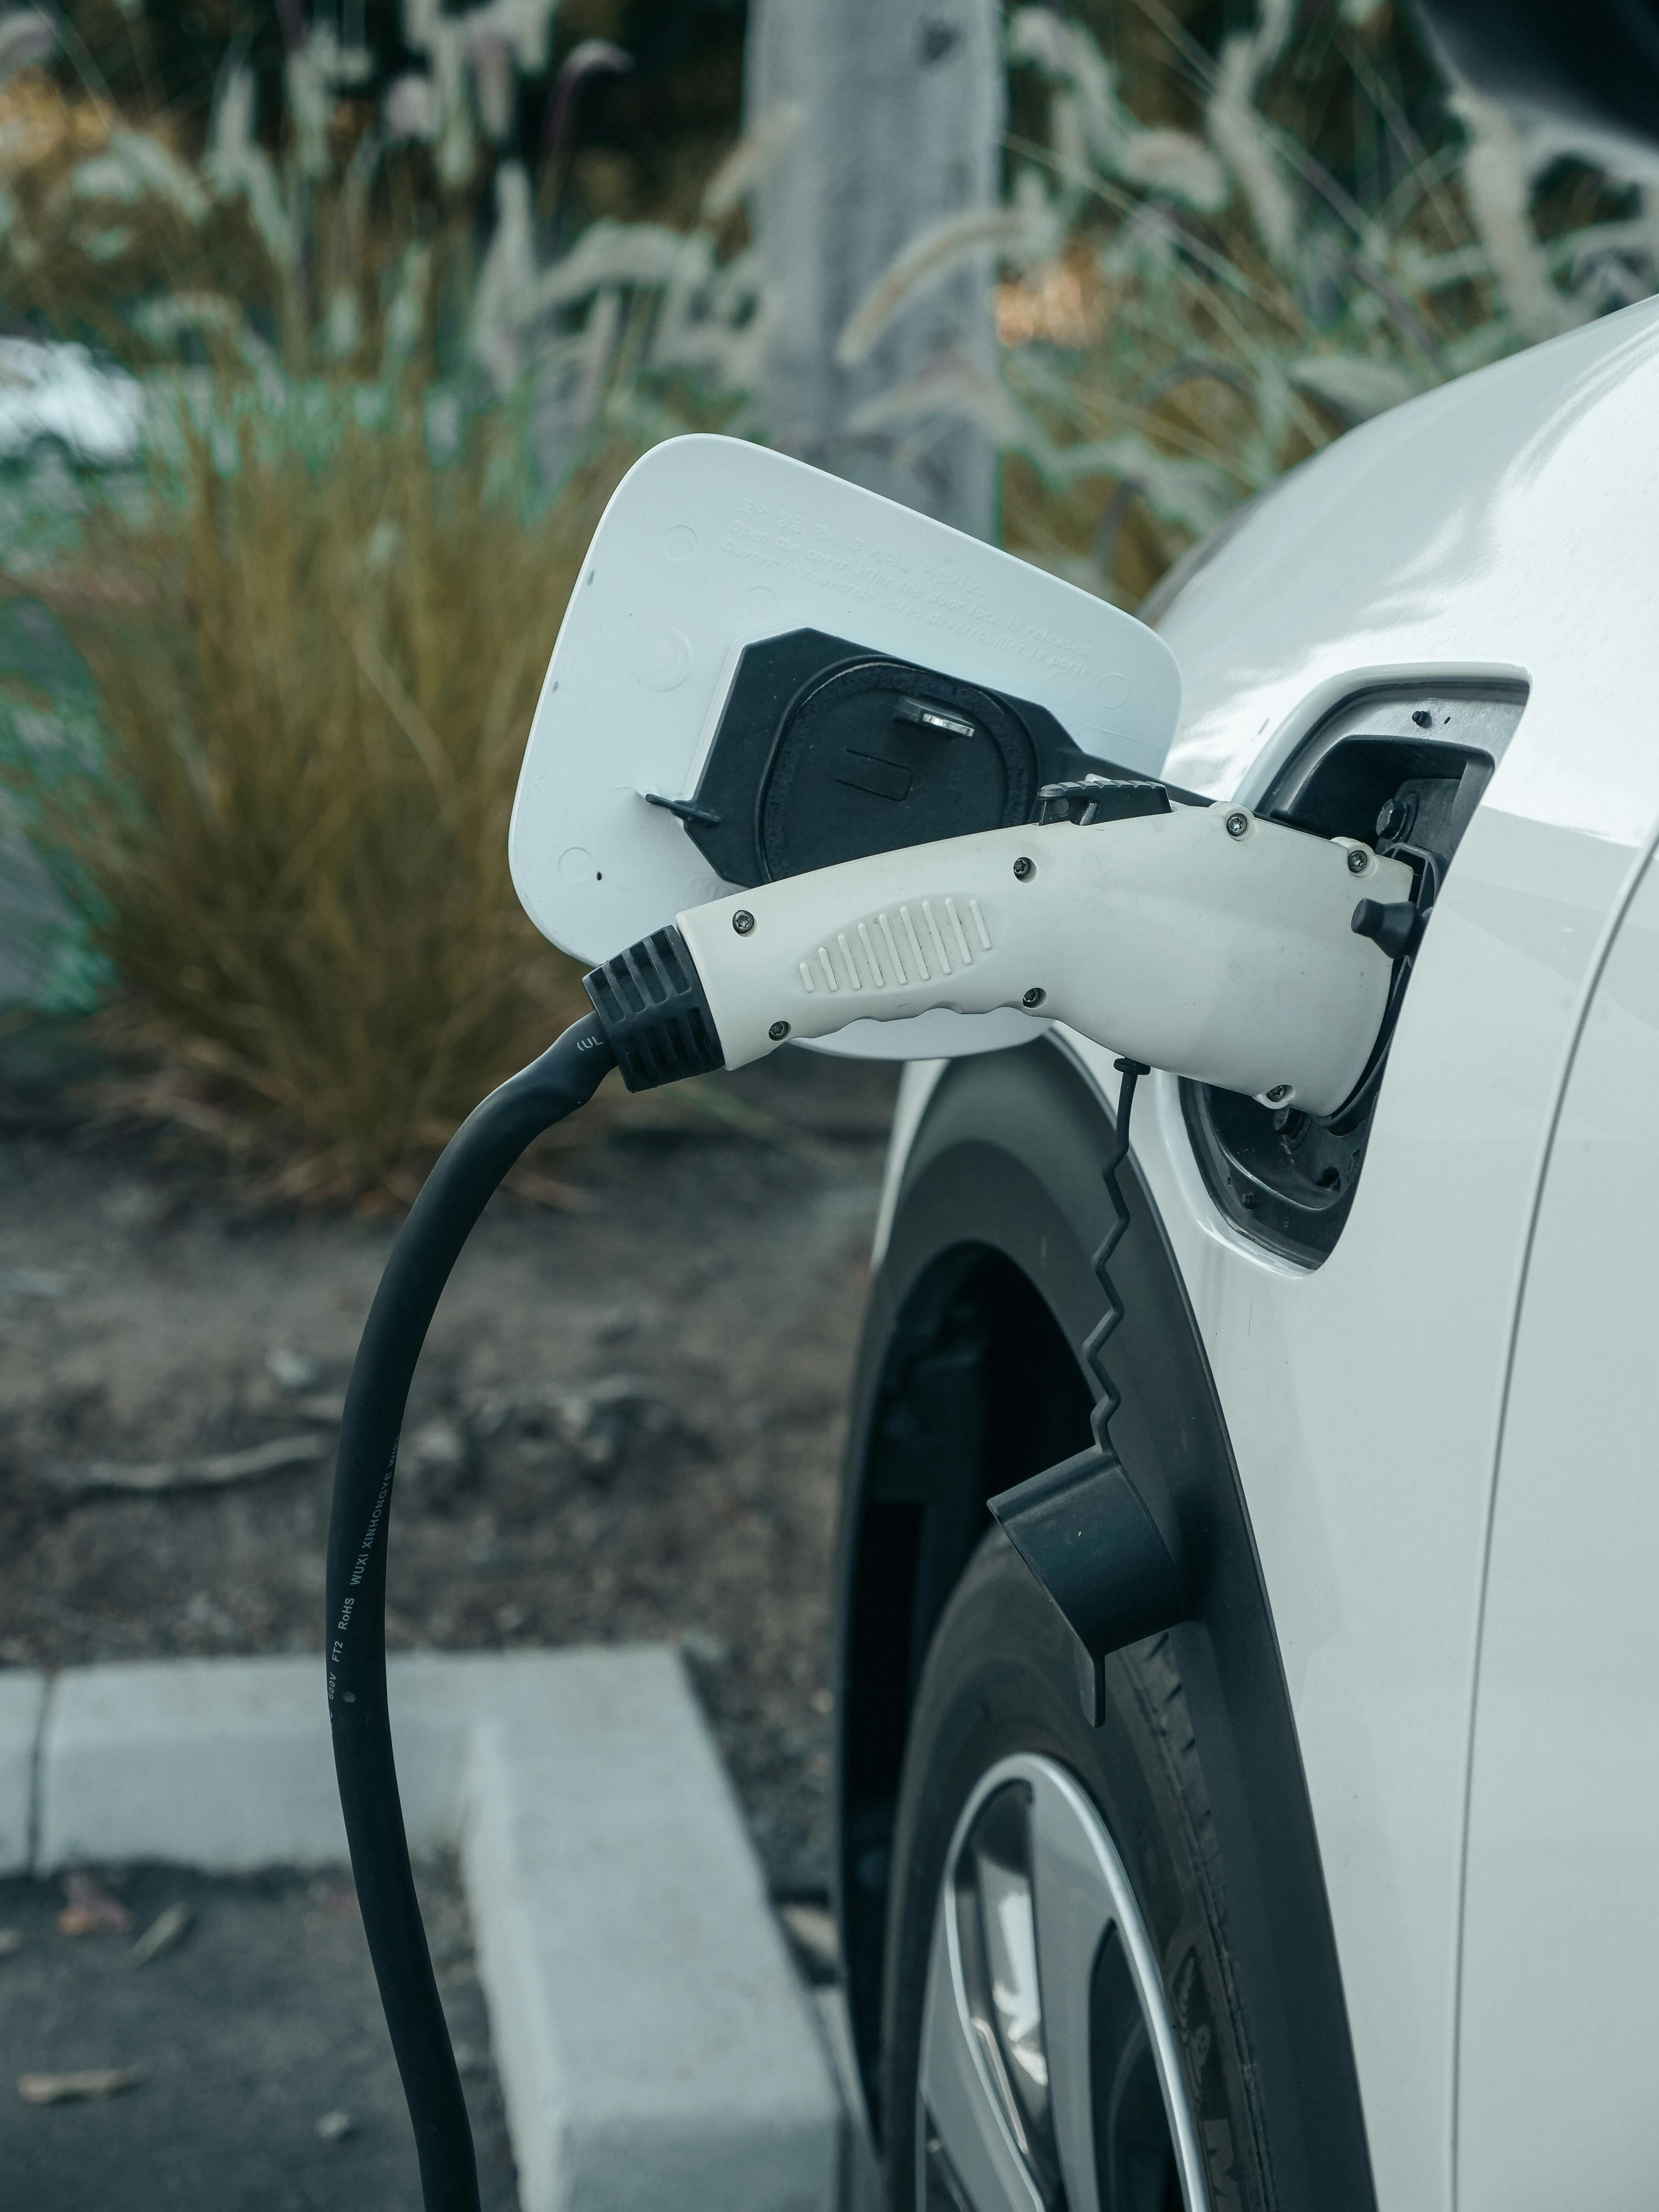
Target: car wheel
[{"x": 1059, "y": 2025}]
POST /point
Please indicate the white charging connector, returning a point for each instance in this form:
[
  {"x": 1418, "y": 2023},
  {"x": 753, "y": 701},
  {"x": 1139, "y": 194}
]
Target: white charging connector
[{"x": 1204, "y": 941}]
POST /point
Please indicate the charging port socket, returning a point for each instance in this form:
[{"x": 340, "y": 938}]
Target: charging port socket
[{"x": 1401, "y": 770}]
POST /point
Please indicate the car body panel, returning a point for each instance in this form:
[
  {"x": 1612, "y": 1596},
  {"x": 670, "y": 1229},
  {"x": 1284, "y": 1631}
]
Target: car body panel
[
  {"x": 1561, "y": 1942},
  {"x": 1503, "y": 526}
]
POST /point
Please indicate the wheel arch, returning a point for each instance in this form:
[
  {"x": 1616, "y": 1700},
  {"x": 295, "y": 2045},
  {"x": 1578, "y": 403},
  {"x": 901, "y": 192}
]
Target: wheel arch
[{"x": 969, "y": 1378}]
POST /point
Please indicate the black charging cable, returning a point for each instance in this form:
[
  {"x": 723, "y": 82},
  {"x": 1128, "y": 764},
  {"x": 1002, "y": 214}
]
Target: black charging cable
[
  {"x": 651, "y": 1020},
  {"x": 440, "y": 1222}
]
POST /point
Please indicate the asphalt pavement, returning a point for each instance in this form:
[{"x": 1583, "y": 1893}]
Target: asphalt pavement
[{"x": 265, "y": 2081}]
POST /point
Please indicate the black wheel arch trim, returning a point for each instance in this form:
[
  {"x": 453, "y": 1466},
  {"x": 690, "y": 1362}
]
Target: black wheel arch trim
[{"x": 967, "y": 1379}]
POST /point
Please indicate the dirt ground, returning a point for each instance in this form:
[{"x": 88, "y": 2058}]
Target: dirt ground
[{"x": 627, "y": 1422}]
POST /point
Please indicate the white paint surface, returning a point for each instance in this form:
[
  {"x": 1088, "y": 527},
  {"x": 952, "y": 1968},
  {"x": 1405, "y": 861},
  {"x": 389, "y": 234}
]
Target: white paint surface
[
  {"x": 1504, "y": 526},
  {"x": 1561, "y": 1942}
]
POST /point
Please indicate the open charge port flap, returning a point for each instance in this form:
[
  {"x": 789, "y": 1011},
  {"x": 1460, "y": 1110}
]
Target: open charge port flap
[
  {"x": 1403, "y": 770},
  {"x": 827, "y": 751}
]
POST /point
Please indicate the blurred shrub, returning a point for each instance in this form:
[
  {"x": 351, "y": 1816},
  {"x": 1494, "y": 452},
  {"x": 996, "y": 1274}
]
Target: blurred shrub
[
  {"x": 382, "y": 409},
  {"x": 347, "y": 214},
  {"x": 287, "y": 826}
]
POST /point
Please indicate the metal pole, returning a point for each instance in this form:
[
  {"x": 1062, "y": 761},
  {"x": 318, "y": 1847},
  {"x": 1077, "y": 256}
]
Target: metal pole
[{"x": 896, "y": 110}]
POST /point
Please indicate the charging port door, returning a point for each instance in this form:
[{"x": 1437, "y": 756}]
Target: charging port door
[{"x": 1402, "y": 771}]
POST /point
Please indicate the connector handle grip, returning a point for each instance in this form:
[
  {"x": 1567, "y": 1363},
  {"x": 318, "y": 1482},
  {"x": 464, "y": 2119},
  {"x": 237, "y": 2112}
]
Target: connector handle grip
[{"x": 1203, "y": 941}]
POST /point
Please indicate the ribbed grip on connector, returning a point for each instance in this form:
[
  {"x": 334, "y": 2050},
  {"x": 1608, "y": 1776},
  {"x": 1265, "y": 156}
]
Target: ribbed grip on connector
[{"x": 651, "y": 1007}]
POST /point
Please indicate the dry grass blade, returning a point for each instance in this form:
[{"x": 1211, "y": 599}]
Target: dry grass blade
[
  {"x": 165, "y": 1932},
  {"x": 93, "y": 2082},
  {"x": 218, "y": 1471}
]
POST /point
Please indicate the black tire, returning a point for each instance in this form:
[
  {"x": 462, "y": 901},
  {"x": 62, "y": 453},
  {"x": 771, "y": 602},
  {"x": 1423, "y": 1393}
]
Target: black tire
[{"x": 1000, "y": 1679}]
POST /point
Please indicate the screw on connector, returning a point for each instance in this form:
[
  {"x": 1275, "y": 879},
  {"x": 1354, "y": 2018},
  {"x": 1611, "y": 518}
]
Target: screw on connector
[
  {"x": 1359, "y": 861},
  {"x": 1422, "y": 717},
  {"x": 743, "y": 921},
  {"x": 1279, "y": 1090},
  {"x": 1033, "y": 997},
  {"x": 1024, "y": 870},
  {"x": 778, "y": 1031},
  {"x": 1238, "y": 822}
]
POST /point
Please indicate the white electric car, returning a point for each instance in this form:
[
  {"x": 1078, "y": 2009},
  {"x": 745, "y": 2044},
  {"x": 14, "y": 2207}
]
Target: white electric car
[
  {"x": 1352, "y": 1900},
  {"x": 1341, "y": 1891}
]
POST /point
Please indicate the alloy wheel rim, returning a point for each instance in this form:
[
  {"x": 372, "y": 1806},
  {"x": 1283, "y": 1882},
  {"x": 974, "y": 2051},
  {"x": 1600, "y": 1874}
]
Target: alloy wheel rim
[{"x": 1050, "y": 2079}]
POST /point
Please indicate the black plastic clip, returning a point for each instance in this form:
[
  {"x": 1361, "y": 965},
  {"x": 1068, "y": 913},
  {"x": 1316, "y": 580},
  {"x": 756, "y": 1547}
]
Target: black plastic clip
[
  {"x": 940, "y": 720},
  {"x": 687, "y": 809},
  {"x": 1393, "y": 926},
  {"x": 1092, "y": 798},
  {"x": 1084, "y": 1532}
]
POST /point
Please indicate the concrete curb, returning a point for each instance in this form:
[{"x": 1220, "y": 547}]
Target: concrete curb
[
  {"x": 654, "y": 2042},
  {"x": 22, "y": 1707}
]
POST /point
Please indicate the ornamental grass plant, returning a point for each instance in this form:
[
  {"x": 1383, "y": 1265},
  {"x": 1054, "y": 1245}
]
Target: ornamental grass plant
[
  {"x": 1223, "y": 244},
  {"x": 1259, "y": 245},
  {"x": 284, "y": 821},
  {"x": 384, "y": 400}
]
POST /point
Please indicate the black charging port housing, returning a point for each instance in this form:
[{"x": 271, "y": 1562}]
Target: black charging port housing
[
  {"x": 1401, "y": 769},
  {"x": 826, "y": 751}
]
